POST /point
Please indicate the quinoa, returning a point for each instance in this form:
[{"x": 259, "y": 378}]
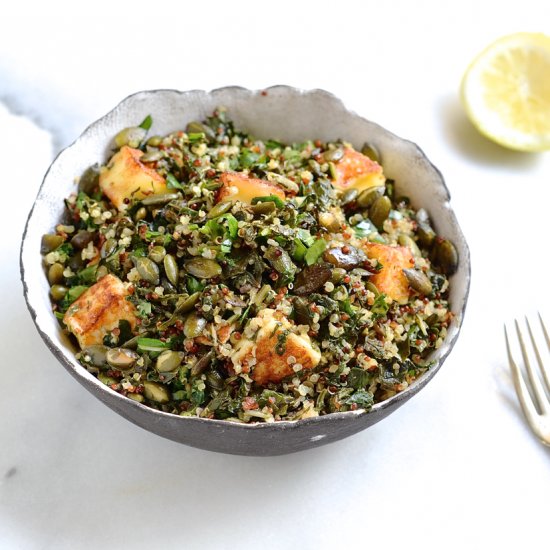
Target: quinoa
[{"x": 267, "y": 281}]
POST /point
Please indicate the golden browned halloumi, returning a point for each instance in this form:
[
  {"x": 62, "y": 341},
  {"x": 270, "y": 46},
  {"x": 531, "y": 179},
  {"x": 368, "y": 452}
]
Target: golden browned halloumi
[
  {"x": 357, "y": 171},
  {"x": 390, "y": 279},
  {"x": 98, "y": 311},
  {"x": 272, "y": 347},
  {"x": 238, "y": 186},
  {"x": 125, "y": 178}
]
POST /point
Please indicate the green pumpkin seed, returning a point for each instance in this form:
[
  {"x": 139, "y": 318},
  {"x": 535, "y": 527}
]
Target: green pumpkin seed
[
  {"x": 200, "y": 366},
  {"x": 187, "y": 304},
  {"x": 426, "y": 235},
  {"x": 152, "y": 155},
  {"x": 195, "y": 127},
  {"x": 97, "y": 354},
  {"x": 338, "y": 273},
  {"x": 108, "y": 248},
  {"x": 157, "y": 253},
  {"x": 162, "y": 198},
  {"x": 82, "y": 238},
  {"x": 379, "y": 211},
  {"x": 370, "y": 151},
  {"x": 156, "y": 392},
  {"x": 171, "y": 269},
  {"x": 141, "y": 214},
  {"x": 333, "y": 155},
  {"x": 132, "y": 137},
  {"x": 76, "y": 263},
  {"x": 372, "y": 287},
  {"x": 55, "y": 273},
  {"x": 349, "y": 196},
  {"x": 418, "y": 281},
  {"x": 194, "y": 325},
  {"x": 89, "y": 180},
  {"x": 409, "y": 242},
  {"x": 446, "y": 256},
  {"x": 329, "y": 221},
  {"x": 148, "y": 270},
  {"x": 368, "y": 196},
  {"x": 154, "y": 141},
  {"x": 220, "y": 209},
  {"x": 50, "y": 242},
  {"x": 215, "y": 380},
  {"x": 168, "y": 361},
  {"x": 264, "y": 207},
  {"x": 121, "y": 358},
  {"x": 57, "y": 292},
  {"x": 203, "y": 268}
]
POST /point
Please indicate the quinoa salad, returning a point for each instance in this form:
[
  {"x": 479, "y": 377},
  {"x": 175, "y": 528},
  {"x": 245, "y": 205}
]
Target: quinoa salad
[{"x": 209, "y": 273}]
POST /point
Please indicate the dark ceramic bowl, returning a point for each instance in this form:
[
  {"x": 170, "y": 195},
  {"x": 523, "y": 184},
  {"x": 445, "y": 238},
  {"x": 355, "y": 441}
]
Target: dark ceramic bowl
[{"x": 290, "y": 115}]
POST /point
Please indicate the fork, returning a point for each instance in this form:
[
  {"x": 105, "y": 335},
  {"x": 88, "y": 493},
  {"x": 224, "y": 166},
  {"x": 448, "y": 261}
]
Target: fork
[{"x": 535, "y": 403}]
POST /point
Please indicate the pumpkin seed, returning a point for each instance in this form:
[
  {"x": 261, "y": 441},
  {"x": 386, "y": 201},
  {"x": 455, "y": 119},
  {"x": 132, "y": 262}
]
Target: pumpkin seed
[
  {"x": 157, "y": 253},
  {"x": 333, "y": 155},
  {"x": 426, "y": 235},
  {"x": 82, "y": 238},
  {"x": 156, "y": 392},
  {"x": 349, "y": 196},
  {"x": 171, "y": 269},
  {"x": 368, "y": 196},
  {"x": 446, "y": 256},
  {"x": 370, "y": 151},
  {"x": 89, "y": 180},
  {"x": 220, "y": 209},
  {"x": 410, "y": 243},
  {"x": 168, "y": 361},
  {"x": 194, "y": 325},
  {"x": 55, "y": 273},
  {"x": 50, "y": 242},
  {"x": 379, "y": 211},
  {"x": 148, "y": 270},
  {"x": 187, "y": 304},
  {"x": 203, "y": 268},
  {"x": 195, "y": 127},
  {"x": 132, "y": 137},
  {"x": 101, "y": 272},
  {"x": 264, "y": 207},
  {"x": 121, "y": 358},
  {"x": 141, "y": 214},
  {"x": 202, "y": 363},
  {"x": 57, "y": 292},
  {"x": 108, "y": 248},
  {"x": 418, "y": 281},
  {"x": 162, "y": 198}
]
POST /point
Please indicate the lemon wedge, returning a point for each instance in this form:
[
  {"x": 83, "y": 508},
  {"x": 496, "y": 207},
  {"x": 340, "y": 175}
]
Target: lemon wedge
[{"x": 506, "y": 92}]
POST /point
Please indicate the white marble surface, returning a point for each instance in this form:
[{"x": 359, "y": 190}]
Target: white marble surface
[{"x": 456, "y": 467}]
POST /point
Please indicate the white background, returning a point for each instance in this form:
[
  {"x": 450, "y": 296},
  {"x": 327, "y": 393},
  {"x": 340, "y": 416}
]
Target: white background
[{"x": 456, "y": 467}]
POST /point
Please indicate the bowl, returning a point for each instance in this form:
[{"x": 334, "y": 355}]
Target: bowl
[{"x": 288, "y": 114}]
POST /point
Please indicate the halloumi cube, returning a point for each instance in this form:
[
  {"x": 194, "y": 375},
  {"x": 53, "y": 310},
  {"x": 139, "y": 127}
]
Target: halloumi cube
[
  {"x": 390, "y": 279},
  {"x": 239, "y": 186},
  {"x": 125, "y": 178},
  {"x": 98, "y": 310},
  {"x": 270, "y": 350},
  {"x": 357, "y": 171}
]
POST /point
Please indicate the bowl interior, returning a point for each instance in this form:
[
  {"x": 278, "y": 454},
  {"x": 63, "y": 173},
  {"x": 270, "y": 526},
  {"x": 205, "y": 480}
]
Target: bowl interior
[{"x": 282, "y": 113}]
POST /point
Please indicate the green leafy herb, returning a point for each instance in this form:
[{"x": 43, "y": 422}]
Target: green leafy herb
[
  {"x": 147, "y": 122},
  {"x": 314, "y": 251},
  {"x": 196, "y": 136},
  {"x": 152, "y": 344},
  {"x": 172, "y": 182},
  {"x": 143, "y": 308}
]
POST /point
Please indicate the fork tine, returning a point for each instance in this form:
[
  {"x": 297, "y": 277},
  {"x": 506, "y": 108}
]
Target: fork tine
[
  {"x": 521, "y": 389},
  {"x": 545, "y": 370},
  {"x": 533, "y": 378}
]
